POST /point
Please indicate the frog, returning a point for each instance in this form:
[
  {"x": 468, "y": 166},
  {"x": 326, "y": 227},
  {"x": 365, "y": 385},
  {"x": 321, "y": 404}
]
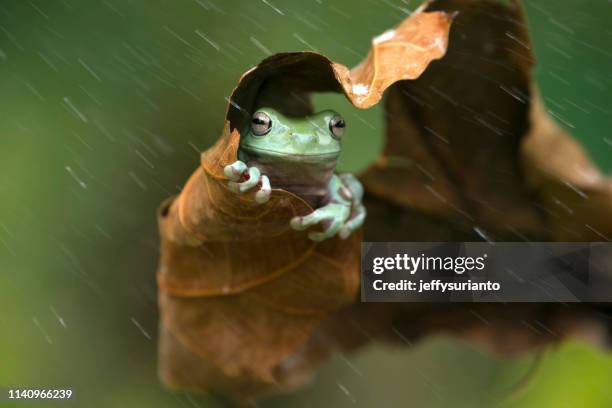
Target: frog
[{"x": 299, "y": 155}]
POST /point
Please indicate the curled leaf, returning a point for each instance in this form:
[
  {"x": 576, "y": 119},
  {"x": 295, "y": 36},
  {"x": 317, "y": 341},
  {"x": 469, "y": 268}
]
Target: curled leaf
[{"x": 284, "y": 81}]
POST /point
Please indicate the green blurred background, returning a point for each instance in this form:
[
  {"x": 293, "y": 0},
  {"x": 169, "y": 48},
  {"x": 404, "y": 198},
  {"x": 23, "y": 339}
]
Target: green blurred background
[{"x": 104, "y": 108}]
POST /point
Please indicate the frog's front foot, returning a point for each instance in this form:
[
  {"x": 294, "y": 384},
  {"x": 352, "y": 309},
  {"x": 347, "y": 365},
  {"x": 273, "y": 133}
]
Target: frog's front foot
[
  {"x": 333, "y": 214},
  {"x": 243, "y": 178},
  {"x": 343, "y": 215}
]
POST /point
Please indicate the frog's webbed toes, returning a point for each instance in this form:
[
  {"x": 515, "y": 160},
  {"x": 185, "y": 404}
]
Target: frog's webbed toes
[
  {"x": 334, "y": 216},
  {"x": 243, "y": 178},
  {"x": 343, "y": 215}
]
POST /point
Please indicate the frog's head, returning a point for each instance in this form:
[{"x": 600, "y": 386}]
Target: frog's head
[{"x": 314, "y": 138}]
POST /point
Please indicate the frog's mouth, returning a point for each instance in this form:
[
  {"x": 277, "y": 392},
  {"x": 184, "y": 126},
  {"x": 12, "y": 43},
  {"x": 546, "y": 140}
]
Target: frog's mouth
[{"x": 305, "y": 158}]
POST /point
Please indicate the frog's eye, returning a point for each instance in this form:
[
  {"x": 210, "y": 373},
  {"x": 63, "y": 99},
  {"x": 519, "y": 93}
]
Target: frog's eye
[
  {"x": 336, "y": 126},
  {"x": 261, "y": 123}
]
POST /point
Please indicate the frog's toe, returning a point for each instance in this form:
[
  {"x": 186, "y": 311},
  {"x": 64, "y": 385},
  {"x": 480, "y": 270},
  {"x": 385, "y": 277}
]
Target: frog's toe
[
  {"x": 296, "y": 224},
  {"x": 344, "y": 232},
  {"x": 301, "y": 223},
  {"x": 353, "y": 223},
  {"x": 329, "y": 232},
  {"x": 252, "y": 181},
  {"x": 263, "y": 195},
  {"x": 235, "y": 170}
]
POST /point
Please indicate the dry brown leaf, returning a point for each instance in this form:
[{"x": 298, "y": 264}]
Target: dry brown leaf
[
  {"x": 239, "y": 289},
  {"x": 241, "y": 293},
  {"x": 453, "y": 135}
]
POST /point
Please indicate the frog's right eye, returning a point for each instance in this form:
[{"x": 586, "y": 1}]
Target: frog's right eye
[{"x": 261, "y": 123}]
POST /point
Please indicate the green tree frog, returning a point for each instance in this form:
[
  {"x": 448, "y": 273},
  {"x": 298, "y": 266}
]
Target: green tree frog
[{"x": 299, "y": 155}]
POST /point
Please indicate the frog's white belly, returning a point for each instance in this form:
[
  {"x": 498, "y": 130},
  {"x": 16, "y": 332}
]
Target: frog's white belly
[{"x": 307, "y": 179}]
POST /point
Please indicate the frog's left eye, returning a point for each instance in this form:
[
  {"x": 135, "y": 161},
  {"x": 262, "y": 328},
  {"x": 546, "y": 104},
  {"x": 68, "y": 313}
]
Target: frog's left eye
[
  {"x": 337, "y": 126},
  {"x": 261, "y": 123}
]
